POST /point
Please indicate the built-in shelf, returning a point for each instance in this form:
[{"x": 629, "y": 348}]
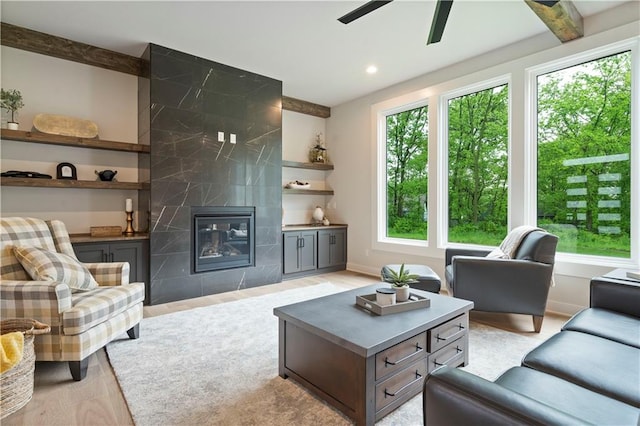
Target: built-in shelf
[
  {"x": 45, "y": 138},
  {"x": 310, "y": 166},
  {"x": 68, "y": 183},
  {"x": 307, "y": 191}
]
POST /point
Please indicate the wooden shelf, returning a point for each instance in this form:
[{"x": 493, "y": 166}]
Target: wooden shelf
[
  {"x": 45, "y": 138},
  {"x": 310, "y": 166},
  {"x": 64, "y": 183},
  {"x": 307, "y": 191}
]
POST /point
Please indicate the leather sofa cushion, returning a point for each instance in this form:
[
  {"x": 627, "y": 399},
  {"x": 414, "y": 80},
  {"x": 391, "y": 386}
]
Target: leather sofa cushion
[
  {"x": 568, "y": 397},
  {"x": 601, "y": 365},
  {"x": 608, "y": 324}
]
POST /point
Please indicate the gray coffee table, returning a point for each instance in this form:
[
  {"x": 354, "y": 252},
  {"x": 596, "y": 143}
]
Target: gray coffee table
[{"x": 367, "y": 365}]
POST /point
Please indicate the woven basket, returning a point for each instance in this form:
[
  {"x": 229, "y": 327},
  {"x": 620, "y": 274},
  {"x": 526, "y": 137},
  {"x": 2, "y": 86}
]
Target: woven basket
[{"x": 16, "y": 384}]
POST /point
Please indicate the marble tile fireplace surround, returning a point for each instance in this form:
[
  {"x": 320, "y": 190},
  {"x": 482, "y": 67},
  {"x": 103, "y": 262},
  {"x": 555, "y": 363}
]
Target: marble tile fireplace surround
[{"x": 189, "y": 108}]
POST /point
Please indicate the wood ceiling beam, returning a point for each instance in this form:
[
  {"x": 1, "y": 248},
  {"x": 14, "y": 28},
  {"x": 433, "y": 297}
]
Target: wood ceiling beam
[
  {"x": 46, "y": 44},
  {"x": 562, "y": 18},
  {"x": 304, "y": 107},
  {"x": 50, "y": 45}
]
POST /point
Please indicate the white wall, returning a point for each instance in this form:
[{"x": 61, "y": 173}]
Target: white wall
[
  {"x": 298, "y": 136},
  {"x": 351, "y": 140},
  {"x": 56, "y": 86}
]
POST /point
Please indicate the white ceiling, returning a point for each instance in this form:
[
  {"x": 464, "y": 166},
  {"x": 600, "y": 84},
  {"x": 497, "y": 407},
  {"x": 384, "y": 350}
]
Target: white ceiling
[{"x": 299, "y": 42}]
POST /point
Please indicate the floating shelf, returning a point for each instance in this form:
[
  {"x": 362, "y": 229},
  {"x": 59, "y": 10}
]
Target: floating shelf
[
  {"x": 45, "y": 138},
  {"x": 310, "y": 166},
  {"x": 68, "y": 183},
  {"x": 307, "y": 191}
]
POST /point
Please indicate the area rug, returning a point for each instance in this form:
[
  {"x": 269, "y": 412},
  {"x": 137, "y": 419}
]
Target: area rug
[{"x": 218, "y": 365}]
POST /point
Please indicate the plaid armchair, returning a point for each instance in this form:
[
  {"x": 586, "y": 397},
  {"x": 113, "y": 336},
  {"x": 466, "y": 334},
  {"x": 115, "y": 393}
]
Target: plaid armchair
[{"x": 81, "y": 321}]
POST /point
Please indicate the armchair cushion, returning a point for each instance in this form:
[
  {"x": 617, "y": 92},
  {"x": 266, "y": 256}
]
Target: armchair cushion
[
  {"x": 91, "y": 308},
  {"x": 44, "y": 265}
]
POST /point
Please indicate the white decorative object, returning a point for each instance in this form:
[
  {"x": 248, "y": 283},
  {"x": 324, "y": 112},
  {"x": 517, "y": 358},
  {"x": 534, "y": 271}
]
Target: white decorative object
[
  {"x": 128, "y": 205},
  {"x": 326, "y": 222},
  {"x": 298, "y": 185},
  {"x": 318, "y": 214},
  {"x": 402, "y": 293},
  {"x": 12, "y": 126},
  {"x": 385, "y": 296}
]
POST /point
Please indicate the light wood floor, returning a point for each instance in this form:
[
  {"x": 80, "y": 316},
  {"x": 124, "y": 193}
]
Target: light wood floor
[{"x": 97, "y": 400}]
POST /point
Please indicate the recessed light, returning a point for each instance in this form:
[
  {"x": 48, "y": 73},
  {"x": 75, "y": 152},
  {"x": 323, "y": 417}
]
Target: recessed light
[{"x": 372, "y": 69}]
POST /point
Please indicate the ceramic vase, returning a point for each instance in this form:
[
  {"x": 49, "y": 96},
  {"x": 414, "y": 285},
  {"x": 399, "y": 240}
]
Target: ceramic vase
[
  {"x": 318, "y": 214},
  {"x": 12, "y": 126},
  {"x": 402, "y": 293}
]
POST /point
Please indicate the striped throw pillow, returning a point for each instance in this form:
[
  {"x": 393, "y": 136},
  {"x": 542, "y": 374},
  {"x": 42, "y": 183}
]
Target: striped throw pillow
[{"x": 44, "y": 265}]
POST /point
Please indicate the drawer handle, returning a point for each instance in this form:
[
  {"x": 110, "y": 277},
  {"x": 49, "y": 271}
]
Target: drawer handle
[
  {"x": 460, "y": 326},
  {"x": 387, "y": 362},
  {"x": 447, "y": 362},
  {"x": 418, "y": 377}
]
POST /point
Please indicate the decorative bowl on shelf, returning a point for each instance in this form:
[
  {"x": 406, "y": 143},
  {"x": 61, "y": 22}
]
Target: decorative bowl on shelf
[{"x": 298, "y": 185}]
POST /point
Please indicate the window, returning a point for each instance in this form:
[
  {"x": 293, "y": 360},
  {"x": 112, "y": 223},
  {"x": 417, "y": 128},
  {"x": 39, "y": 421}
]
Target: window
[
  {"x": 477, "y": 132},
  {"x": 406, "y": 189},
  {"x": 584, "y": 156}
]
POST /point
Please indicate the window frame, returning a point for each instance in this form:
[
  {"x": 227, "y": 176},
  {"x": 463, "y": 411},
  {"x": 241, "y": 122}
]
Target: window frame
[
  {"x": 531, "y": 145},
  {"x": 443, "y": 155},
  {"x": 379, "y": 113}
]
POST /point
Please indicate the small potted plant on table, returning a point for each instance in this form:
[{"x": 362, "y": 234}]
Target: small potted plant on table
[
  {"x": 11, "y": 100},
  {"x": 400, "y": 281}
]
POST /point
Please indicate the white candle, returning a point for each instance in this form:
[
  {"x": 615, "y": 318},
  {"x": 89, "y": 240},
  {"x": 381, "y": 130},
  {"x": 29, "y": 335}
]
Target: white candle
[{"x": 128, "y": 205}]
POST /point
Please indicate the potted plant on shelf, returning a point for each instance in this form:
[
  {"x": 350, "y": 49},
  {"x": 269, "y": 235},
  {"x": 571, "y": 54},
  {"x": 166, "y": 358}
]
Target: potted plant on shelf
[
  {"x": 400, "y": 281},
  {"x": 11, "y": 100}
]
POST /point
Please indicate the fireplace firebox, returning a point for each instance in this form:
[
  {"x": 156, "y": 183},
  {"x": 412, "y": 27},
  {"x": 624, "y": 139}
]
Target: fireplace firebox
[{"x": 222, "y": 238}]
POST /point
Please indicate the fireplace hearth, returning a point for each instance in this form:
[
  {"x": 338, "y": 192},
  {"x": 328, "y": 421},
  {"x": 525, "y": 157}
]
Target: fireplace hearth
[{"x": 222, "y": 238}]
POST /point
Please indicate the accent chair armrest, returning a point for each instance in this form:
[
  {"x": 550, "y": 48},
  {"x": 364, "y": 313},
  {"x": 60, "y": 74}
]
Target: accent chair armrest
[
  {"x": 456, "y": 397},
  {"x": 40, "y": 300},
  {"x": 110, "y": 274},
  {"x": 450, "y": 252},
  {"x": 615, "y": 295},
  {"x": 503, "y": 285}
]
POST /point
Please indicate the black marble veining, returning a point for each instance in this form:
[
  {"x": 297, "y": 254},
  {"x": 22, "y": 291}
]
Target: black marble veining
[{"x": 185, "y": 103}]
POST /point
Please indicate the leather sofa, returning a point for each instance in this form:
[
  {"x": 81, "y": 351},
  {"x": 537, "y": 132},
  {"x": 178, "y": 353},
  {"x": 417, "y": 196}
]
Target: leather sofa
[{"x": 588, "y": 373}]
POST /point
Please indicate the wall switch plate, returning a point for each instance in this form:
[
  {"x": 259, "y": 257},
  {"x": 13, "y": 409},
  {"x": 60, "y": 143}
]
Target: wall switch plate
[
  {"x": 232, "y": 138},
  {"x": 220, "y": 136}
]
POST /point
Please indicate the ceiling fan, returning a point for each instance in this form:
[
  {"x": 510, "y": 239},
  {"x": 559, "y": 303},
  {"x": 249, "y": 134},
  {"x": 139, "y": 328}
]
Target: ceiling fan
[
  {"x": 560, "y": 16},
  {"x": 443, "y": 7}
]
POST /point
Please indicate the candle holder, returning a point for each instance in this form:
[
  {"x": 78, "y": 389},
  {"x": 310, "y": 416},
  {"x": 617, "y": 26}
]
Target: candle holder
[{"x": 129, "y": 230}]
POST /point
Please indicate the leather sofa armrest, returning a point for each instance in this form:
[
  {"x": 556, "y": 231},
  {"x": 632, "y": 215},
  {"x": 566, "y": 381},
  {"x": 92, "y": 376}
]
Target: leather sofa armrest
[
  {"x": 450, "y": 252},
  {"x": 615, "y": 295},
  {"x": 456, "y": 397}
]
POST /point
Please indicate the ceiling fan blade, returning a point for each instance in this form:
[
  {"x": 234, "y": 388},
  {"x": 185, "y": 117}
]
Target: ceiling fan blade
[
  {"x": 443, "y": 7},
  {"x": 548, "y": 3},
  {"x": 368, "y": 7}
]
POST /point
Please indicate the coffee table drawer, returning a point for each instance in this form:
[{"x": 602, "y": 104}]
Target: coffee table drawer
[
  {"x": 401, "y": 355},
  {"x": 451, "y": 355},
  {"x": 403, "y": 385},
  {"x": 446, "y": 333}
]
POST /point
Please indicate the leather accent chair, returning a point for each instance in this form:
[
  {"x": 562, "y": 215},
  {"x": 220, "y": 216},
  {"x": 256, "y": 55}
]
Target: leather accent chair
[{"x": 518, "y": 285}]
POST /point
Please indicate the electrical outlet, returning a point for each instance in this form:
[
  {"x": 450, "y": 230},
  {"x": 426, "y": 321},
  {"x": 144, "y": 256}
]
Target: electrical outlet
[
  {"x": 220, "y": 136},
  {"x": 232, "y": 138}
]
